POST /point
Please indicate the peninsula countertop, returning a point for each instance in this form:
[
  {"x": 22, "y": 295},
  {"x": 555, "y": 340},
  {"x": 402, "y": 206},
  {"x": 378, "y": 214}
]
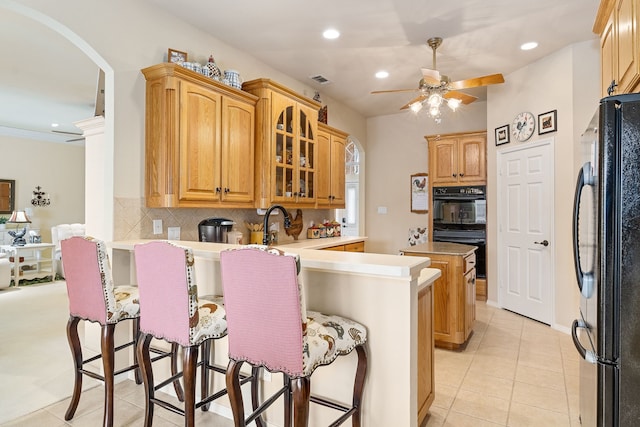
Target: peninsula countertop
[
  {"x": 442, "y": 248},
  {"x": 381, "y": 291}
]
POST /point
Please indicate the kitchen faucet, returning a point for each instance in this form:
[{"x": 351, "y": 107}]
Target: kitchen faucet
[{"x": 265, "y": 228}]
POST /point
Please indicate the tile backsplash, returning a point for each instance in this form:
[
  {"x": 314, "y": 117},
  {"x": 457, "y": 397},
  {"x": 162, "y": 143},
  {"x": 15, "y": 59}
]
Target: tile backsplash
[{"x": 133, "y": 220}]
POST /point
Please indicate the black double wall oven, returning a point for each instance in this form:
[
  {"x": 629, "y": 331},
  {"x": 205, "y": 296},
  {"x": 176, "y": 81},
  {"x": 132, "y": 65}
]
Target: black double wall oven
[{"x": 460, "y": 216}]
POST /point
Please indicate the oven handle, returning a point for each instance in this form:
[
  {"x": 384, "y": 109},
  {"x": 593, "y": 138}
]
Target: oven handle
[
  {"x": 458, "y": 240},
  {"x": 459, "y": 197}
]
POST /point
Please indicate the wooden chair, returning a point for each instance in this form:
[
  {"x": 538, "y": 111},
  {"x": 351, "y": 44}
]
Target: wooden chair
[
  {"x": 171, "y": 310},
  {"x": 93, "y": 297},
  {"x": 269, "y": 326}
]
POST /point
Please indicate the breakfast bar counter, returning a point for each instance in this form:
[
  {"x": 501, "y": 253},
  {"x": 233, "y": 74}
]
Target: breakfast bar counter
[{"x": 380, "y": 291}]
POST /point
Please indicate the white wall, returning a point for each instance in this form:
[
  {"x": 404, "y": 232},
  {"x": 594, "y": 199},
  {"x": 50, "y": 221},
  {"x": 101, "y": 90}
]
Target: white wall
[
  {"x": 125, "y": 37},
  {"x": 396, "y": 149},
  {"x": 567, "y": 81},
  {"x": 57, "y": 168}
]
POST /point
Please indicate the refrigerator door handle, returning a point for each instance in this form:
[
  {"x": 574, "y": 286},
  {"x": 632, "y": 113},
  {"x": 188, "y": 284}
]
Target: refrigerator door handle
[
  {"x": 587, "y": 355},
  {"x": 585, "y": 280}
]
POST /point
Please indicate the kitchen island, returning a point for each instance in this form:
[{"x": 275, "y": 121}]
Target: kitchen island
[
  {"x": 379, "y": 291},
  {"x": 454, "y": 292}
]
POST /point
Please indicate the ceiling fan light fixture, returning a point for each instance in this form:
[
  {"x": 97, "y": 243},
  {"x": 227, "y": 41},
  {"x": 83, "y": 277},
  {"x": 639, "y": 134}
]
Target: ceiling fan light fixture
[
  {"x": 454, "y": 103},
  {"x": 434, "y": 100},
  {"x": 434, "y": 111},
  {"x": 416, "y": 106}
]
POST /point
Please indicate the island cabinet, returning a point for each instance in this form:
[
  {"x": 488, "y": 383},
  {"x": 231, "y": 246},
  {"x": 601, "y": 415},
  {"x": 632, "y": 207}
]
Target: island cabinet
[
  {"x": 617, "y": 24},
  {"x": 199, "y": 141},
  {"x": 454, "y": 292},
  {"x": 349, "y": 247},
  {"x": 426, "y": 377},
  {"x": 331, "y": 171},
  {"x": 286, "y": 145},
  {"x": 458, "y": 159}
]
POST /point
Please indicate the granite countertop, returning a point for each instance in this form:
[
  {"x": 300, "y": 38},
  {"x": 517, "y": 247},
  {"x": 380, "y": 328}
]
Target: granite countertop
[{"x": 443, "y": 248}]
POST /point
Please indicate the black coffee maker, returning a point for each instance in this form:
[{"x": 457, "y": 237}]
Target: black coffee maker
[{"x": 214, "y": 230}]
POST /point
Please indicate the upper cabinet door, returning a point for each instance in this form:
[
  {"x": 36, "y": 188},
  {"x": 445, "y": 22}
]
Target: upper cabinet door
[
  {"x": 199, "y": 143},
  {"x": 237, "y": 155},
  {"x": 458, "y": 159}
]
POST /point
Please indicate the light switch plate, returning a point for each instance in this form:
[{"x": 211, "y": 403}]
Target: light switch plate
[
  {"x": 157, "y": 226},
  {"x": 382, "y": 210},
  {"x": 173, "y": 233}
]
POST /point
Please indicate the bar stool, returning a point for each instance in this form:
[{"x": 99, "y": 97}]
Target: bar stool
[
  {"x": 93, "y": 297},
  {"x": 269, "y": 326},
  {"x": 171, "y": 311}
]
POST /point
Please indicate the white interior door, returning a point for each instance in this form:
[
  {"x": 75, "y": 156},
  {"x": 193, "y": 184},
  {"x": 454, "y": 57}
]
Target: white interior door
[{"x": 525, "y": 228}]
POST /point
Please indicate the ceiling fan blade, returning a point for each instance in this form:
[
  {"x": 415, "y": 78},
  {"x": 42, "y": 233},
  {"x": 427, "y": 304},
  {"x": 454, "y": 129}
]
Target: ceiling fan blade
[
  {"x": 464, "y": 97},
  {"x": 394, "y": 91},
  {"x": 491, "y": 79},
  {"x": 420, "y": 98},
  {"x": 431, "y": 76}
]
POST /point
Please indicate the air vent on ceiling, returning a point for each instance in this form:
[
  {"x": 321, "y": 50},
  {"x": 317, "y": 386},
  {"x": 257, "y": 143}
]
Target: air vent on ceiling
[{"x": 320, "y": 79}]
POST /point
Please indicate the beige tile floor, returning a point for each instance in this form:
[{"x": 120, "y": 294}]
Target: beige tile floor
[{"x": 513, "y": 372}]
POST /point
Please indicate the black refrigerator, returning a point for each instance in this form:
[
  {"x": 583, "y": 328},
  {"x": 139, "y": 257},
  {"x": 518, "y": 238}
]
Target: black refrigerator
[{"x": 606, "y": 241}]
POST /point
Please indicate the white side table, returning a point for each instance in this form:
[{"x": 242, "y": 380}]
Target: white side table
[{"x": 31, "y": 261}]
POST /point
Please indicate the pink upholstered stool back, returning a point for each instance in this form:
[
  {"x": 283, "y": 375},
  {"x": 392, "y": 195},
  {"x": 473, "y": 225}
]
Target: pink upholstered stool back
[
  {"x": 263, "y": 303},
  {"x": 168, "y": 292},
  {"x": 88, "y": 276}
]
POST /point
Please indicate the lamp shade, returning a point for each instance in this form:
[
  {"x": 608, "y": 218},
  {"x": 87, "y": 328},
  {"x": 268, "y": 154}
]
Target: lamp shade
[{"x": 19, "y": 217}]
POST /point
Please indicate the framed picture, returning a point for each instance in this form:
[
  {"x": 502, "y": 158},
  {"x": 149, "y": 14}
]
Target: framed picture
[
  {"x": 420, "y": 193},
  {"x": 548, "y": 122},
  {"x": 502, "y": 135},
  {"x": 176, "y": 56}
]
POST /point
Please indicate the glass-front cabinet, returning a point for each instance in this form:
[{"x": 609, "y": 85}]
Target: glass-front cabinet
[{"x": 286, "y": 145}]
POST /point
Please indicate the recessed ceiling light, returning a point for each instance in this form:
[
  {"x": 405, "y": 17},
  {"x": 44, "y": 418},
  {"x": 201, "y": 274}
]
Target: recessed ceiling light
[
  {"x": 54, "y": 125},
  {"x": 529, "y": 46},
  {"x": 331, "y": 33},
  {"x": 382, "y": 74}
]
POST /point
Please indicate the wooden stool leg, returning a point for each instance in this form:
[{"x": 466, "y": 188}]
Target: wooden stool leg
[
  {"x": 358, "y": 385},
  {"x": 301, "y": 388},
  {"x": 136, "y": 331},
  {"x": 144, "y": 358},
  {"x": 189, "y": 366},
  {"x": 255, "y": 401},
  {"x": 174, "y": 370},
  {"x": 108, "y": 356},
  {"x": 235, "y": 394},
  {"x": 204, "y": 373},
  {"x": 287, "y": 401},
  {"x": 76, "y": 352}
]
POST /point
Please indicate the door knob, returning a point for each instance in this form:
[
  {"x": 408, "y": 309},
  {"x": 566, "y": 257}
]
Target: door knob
[{"x": 543, "y": 243}]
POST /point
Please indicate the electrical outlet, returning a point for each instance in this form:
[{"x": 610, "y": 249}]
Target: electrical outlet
[
  {"x": 157, "y": 226},
  {"x": 173, "y": 233}
]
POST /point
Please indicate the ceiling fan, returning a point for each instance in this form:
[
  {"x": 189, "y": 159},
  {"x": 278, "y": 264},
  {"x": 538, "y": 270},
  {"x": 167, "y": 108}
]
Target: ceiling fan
[{"x": 435, "y": 88}]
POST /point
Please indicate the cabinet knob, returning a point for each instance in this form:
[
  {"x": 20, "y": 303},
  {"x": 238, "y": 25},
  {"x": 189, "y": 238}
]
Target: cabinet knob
[
  {"x": 226, "y": 191},
  {"x": 454, "y": 175},
  {"x": 218, "y": 190},
  {"x": 461, "y": 175}
]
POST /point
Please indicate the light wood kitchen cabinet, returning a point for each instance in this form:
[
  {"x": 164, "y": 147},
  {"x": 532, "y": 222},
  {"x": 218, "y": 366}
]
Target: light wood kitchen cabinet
[
  {"x": 331, "y": 171},
  {"x": 454, "y": 293},
  {"x": 286, "y": 147},
  {"x": 617, "y": 24},
  {"x": 199, "y": 141},
  {"x": 458, "y": 159},
  {"x": 426, "y": 377},
  {"x": 349, "y": 247}
]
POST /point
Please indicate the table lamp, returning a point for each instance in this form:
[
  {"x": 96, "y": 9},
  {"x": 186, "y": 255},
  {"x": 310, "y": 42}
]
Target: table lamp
[{"x": 19, "y": 217}]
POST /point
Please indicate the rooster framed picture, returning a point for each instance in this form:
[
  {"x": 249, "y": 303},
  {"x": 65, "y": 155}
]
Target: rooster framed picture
[{"x": 420, "y": 193}]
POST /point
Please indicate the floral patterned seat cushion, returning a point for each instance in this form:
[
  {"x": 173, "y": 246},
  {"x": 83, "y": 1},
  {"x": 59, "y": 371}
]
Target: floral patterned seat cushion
[
  {"x": 327, "y": 337},
  {"x": 212, "y": 319},
  {"x": 127, "y": 303}
]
